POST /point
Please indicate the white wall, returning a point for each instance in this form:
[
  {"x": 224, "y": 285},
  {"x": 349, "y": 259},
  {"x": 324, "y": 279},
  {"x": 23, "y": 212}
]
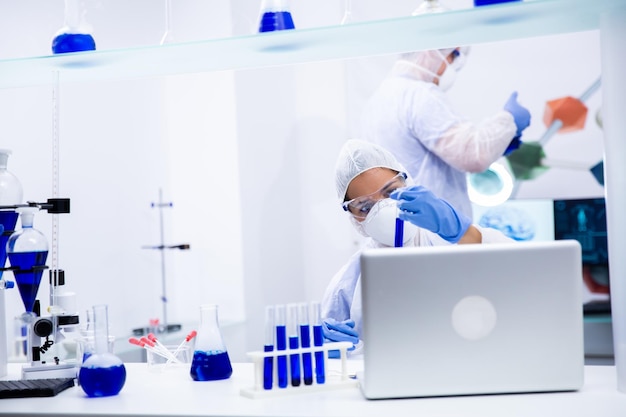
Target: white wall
[{"x": 247, "y": 157}]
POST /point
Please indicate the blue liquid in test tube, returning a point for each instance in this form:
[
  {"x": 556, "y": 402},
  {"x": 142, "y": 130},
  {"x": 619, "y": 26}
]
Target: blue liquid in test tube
[
  {"x": 305, "y": 342},
  {"x": 294, "y": 359},
  {"x": 268, "y": 362},
  {"x": 399, "y": 237},
  {"x": 281, "y": 344},
  {"x": 318, "y": 340}
]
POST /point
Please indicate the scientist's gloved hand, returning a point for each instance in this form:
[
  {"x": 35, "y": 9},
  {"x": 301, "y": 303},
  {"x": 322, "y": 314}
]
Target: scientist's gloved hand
[
  {"x": 515, "y": 143},
  {"x": 422, "y": 208},
  {"x": 521, "y": 115},
  {"x": 339, "y": 331}
]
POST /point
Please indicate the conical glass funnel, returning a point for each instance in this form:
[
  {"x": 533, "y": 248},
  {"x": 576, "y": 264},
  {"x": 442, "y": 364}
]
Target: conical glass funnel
[
  {"x": 10, "y": 195},
  {"x": 27, "y": 250}
]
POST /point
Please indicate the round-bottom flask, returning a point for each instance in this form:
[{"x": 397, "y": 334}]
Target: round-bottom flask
[
  {"x": 210, "y": 358},
  {"x": 102, "y": 374},
  {"x": 75, "y": 35}
]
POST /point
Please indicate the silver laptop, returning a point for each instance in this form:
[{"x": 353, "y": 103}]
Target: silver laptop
[{"x": 472, "y": 319}]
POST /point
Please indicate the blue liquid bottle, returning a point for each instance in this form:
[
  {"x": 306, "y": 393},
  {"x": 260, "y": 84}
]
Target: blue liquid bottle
[
  {"x": 210, "y": 359},
  {"x": 102, "y": 374},
  {"x": 75, "y": 35},
  {"x": 275, "y": 15},
  {"x": 27, "y": 250}
]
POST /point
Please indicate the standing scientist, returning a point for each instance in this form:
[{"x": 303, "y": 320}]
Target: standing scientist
[{"x": 410, "y": 115}]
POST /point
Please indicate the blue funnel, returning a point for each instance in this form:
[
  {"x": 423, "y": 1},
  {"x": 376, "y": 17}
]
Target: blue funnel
[{"x": 27, "y": 279}]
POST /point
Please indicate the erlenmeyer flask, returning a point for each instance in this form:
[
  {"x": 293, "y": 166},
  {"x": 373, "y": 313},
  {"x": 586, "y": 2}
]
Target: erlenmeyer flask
[
  {"x": 275, "y": 15},
  {"x": 27, "y": 250},
  {"x": 210, "y": 358},
  {"x": 102, "y": 374},
  {"x": 75, "y": 35},
  {"x": 10, "y": 195}
]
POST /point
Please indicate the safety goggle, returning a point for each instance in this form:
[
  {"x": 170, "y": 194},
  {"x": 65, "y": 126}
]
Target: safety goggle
[{"x": 359, "y": 207}]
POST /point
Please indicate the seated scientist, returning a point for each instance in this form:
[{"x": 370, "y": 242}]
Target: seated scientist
[{"x": 372, "y": 185}]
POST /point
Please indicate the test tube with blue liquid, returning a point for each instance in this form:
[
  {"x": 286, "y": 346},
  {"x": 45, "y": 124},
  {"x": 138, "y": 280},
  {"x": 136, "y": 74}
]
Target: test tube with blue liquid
[
  {"x": 275, "y": 15},
  {"x": 318, "y": 340},
  {"x": 292, "y": 331},
  {"x": 305, "y": 342},
  {"x": 281, "y": 344},
  {"x": 268, "y": 362}
]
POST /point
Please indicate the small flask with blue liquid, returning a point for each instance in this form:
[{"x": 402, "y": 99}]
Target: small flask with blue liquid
[
  {"x": 75, "y": 35},
  {"x": 275, "y": 15},
  {"x": 102, "y": 374},
  {"x": 210, "y": 359}
]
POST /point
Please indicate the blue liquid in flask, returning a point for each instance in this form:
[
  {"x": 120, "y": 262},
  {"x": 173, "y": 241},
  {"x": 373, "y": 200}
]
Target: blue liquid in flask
[
  {"x": 73, "y": 42},
  {"x": 271, "y": 21},
  {"x": 488, "y": 2},
  {"x": 102, "y": 382},
  {"x": 210, "y": 366},
  {"x": 28, "y": 282}
]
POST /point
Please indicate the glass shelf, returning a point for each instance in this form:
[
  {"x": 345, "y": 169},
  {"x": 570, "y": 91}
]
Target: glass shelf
[{"x": 458, "y": 27}]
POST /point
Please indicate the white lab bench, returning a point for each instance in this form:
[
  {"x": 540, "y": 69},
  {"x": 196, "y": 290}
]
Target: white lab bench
[{"x": 174, "y": 393}]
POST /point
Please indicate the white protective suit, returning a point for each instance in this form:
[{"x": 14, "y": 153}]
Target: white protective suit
[
  {"x": 342, "y": 298},
  {"x": 410, "y": 116}
]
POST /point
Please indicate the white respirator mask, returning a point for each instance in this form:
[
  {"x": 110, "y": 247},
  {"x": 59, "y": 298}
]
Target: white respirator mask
[{"x": 380, "y": 223}]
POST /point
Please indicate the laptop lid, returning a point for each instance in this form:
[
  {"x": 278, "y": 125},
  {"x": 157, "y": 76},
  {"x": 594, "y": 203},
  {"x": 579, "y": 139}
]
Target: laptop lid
[{"x": 472, "y": 319}]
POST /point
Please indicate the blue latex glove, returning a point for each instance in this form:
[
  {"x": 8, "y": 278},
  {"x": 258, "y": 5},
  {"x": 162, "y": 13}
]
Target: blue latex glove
[
  {"x": 422, "y": 208},
  {"x": 339, "y": 331},
  {"x": 515, "y": 143},
  {"x": 521, "y": 115}
]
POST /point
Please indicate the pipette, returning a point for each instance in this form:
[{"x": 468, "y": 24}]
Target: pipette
[
  {"x": 187, "y": 339},
  {"x": 151, "y": 346}
]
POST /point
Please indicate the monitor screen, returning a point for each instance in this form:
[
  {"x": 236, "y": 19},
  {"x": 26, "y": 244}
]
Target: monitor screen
[{"x": 585, "y": 221}]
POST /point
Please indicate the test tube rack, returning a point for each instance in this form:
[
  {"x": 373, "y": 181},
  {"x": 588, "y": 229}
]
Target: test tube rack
[{"x": 333, "y": 379}]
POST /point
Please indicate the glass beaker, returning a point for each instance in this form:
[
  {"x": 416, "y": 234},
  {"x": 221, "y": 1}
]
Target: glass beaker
[
  {"x": 75, "y": 35},
  {"x": 102, "y": 374},
  {"x": 275, "y": 15},
  {"x": 27, "y": 250},
  {"x": 10, "y": 195},
  {"x": 210, "y": 359}
]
